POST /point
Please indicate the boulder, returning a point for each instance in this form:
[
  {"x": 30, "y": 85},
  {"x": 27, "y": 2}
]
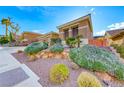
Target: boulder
[
  {"x": 104, "y": 76},
  {"x": 64, "y": 55},
  {"x": 51, "y": 55},
  {"x": 19, "y": 51},
  {"x": 58, "y": 56},
  {"x": 38, "y": 56},
  {"x": 74, "y": 66},
  {"x": 45, "y": 56},
  {"x": 31, "y": 58}
]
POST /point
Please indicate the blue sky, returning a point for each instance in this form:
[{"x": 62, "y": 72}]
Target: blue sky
[{"x": 45, "y": 19}]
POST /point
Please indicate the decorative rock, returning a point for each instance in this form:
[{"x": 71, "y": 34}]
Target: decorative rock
[
  {"x": 74, "y": 66},
  {"x": 51, "y": 55},
  {"x": 45, "y": 56},
  {"x": 104, "y": 76},
  {"x": 38, "y": 56},
  {"x": 58, "y": 56},
  {"x": 31, "y": 58},
  {"x": 19, "y": 51},
  {"x": 41, "y": 53},
  {"x": 64, "y": 55}
]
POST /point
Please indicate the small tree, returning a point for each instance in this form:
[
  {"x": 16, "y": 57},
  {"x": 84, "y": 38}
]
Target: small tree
[
  {"x": 71, "y": 42},
  {"x": 78, "y": 38},
  {"x": 10, "y": 37}
]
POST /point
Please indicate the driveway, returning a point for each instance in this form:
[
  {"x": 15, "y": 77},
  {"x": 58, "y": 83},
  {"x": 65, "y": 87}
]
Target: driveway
[{"x": 12, "y": 73}]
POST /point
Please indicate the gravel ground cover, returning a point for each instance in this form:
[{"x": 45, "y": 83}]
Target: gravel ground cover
[{"x": 42, "y": 66}]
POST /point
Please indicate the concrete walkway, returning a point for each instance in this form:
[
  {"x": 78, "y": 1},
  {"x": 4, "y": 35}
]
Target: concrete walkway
[{"x": 8, "y": 66}]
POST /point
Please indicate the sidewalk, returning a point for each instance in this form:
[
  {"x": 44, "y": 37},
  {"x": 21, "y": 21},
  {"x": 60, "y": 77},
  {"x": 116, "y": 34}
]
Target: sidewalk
[{"x": 12, "y": 73}]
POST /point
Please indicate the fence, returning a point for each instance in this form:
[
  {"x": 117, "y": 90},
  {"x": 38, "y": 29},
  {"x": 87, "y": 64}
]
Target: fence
[{"x": 98, "y": 42}]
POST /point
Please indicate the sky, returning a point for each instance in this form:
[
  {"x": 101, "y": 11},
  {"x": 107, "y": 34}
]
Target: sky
[{"x": 44, "y": 19}]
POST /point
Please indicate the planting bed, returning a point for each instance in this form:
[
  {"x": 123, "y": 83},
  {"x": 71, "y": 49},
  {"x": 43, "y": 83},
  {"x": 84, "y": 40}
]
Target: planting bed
[{"x": 42, "y": 67}]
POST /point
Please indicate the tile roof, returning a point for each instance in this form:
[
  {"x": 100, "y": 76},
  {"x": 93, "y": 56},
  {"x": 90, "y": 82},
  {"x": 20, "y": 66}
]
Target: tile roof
[{"x": 115, "y": 31}]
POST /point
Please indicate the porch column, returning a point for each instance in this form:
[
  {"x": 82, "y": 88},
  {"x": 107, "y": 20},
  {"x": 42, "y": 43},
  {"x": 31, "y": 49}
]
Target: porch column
[
  {"x": 62, "y": 35},
  {"x": 70, "y": 32}
]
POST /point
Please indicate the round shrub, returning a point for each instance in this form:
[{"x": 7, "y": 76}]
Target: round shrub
[
  {"x": 57, "y": 48},
  {"x": 97, "y": 59},
  {"x": 55, "y": 41},
  {"x": 35, "y": 47},
  {"x": 59, "y": 73},
  {"x": 4, "y": 40},
  {"x": 71, "y": 42},
  {"x": 86, "y": 79}
]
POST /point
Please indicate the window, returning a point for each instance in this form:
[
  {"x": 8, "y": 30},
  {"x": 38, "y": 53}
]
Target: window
[{"x": 75, "y": 31}]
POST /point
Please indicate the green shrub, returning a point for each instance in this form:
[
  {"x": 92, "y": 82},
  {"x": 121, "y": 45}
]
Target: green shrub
[
  {"x": 4, "y": 40},
  {"x": 119, "y": 72},
  {"x": 114, "y": 45},
  {"x": 55, "y": 41},
  {"x": 35, "y": 47},
  {"x": 59, "y": 73},
  {"x": 122, "y": 55},
  {"x": 120, "y": 49},
  {"x": 97, "y": 59},
  {"x": 86, "y": 79},
  {"x": 57, "y": 48},
  {"x": 71, "y": 42}
]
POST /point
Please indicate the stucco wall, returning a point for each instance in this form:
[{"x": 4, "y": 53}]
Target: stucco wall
[{"x": 84, "y": 29}]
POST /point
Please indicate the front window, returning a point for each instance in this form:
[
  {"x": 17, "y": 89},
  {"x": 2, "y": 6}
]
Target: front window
[{"x": 75, "y": 32}]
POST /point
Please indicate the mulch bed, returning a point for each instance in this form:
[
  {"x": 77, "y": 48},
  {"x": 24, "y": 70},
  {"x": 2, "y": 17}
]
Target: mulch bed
[{"x": 42, "y": 66}]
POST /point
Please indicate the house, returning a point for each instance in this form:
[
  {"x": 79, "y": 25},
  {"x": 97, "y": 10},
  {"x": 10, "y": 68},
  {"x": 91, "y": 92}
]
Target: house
[
  {"x": 99, "y": 37},
  {"x": 48, "y": 36},
  {"x": 81, "y": 26},
  {"x": 115, "y": 36},
  {"x": 30, "y": 36}
]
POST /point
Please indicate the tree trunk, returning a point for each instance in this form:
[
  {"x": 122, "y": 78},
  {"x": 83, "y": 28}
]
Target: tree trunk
[
  {"x": 123, "y": 40},
  {"x": 6, "y": 30}
]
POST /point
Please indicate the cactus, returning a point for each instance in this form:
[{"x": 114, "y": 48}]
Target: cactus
[
  {"x": 86, "y": 79},
  {"x": 59, "y": 73}
]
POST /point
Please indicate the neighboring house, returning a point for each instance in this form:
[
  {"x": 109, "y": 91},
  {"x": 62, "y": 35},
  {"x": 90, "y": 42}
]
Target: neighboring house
[
  {"x": 30, "y": 36},
  {"x": 99, "y": 37},
  {"x": 115, "y": 36},
  {"x": 81, "y": 26},
  {"x": 48, "y": 36}
]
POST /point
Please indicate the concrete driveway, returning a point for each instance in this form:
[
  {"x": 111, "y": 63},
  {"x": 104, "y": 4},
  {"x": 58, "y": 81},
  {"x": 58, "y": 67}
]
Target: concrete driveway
[{"x": 12, "y": 73}]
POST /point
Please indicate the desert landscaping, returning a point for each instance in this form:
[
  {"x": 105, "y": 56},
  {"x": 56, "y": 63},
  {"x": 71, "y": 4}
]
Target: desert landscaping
[{"x": 72, "y": 57}]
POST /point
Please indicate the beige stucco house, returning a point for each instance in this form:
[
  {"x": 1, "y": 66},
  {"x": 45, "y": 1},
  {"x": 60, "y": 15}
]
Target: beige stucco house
[
  {"x": 81, "y": 26},
  {"x": 115, "y": 36}
]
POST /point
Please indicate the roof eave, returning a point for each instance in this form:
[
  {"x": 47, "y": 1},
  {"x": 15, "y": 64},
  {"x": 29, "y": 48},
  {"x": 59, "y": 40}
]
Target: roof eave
[{"x": 76, "y": 20}]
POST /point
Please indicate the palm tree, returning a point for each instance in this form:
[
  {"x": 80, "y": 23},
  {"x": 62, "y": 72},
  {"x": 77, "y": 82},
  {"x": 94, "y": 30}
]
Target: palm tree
[{"x": 6, "y": 22}]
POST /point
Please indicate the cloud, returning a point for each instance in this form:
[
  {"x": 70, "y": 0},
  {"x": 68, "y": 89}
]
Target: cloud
[
  {"x": 116, "y": 26},
  {"x": 111, "y": 27},
  {"x": 44, "y": 10},
  {"x": 92, "y": 10},
  {"x": 100, "y": 33},
  {"x": 38, "y": 31}
]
